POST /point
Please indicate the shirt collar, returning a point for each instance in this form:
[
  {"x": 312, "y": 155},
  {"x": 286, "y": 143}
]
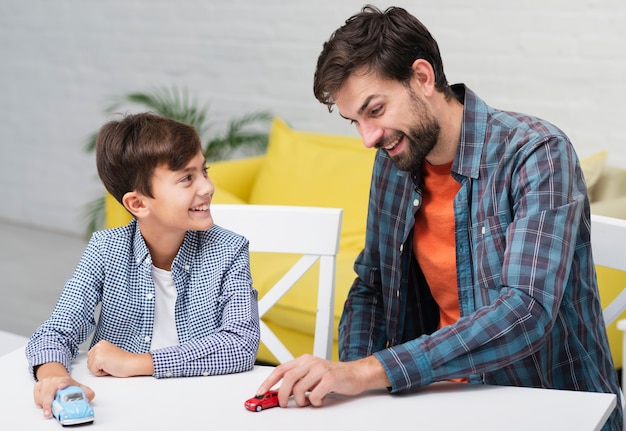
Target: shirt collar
[
  {"x": 473, "y": 131},
  {"x": 183, "y": 258}
]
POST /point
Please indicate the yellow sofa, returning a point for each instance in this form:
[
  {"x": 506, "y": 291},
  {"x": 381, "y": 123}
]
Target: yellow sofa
[{"x": 311, "y": 169}]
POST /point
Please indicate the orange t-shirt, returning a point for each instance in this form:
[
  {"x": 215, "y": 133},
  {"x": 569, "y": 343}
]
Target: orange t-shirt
[{"x": 433, "y": 239}]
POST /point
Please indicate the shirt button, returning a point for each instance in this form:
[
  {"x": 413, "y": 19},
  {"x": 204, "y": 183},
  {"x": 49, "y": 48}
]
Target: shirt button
[
  {"x": 401, "y": 248},
  {"x": 147, "y": 339},
  {"x": 416, "y": 202},
  {"x": 168, "y": 374},
  {"x": 187, "y": 267},
  {"x": 149, "y": 296},
  {"x": 205, "y": 374}
]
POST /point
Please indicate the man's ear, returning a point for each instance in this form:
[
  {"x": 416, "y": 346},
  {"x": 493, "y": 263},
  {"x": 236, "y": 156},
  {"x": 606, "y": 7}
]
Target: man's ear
[
  {"x": 423, "y": 76},
  {"x": 135, "y": 203}
]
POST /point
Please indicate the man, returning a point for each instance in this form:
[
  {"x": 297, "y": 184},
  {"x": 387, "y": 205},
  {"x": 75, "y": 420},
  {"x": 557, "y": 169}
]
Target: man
[{"x": 477, "y": 264}]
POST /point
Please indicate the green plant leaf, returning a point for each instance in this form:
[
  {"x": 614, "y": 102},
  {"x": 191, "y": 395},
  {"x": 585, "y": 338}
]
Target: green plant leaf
[{"x": 94, "y": 215}]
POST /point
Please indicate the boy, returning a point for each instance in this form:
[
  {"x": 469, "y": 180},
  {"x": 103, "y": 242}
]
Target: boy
[{"x": 175, "y": 291}]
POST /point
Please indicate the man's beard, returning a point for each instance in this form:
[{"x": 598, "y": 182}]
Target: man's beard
[{"x": 421, "y": 139}]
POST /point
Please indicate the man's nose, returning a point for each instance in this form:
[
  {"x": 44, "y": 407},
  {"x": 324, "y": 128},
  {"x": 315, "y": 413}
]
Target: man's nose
[{"x": 370, "y": 133}]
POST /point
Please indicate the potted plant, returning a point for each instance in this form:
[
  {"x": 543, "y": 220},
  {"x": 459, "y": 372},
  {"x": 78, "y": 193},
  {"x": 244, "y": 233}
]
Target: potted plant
[{"x": 248, "y": 133}]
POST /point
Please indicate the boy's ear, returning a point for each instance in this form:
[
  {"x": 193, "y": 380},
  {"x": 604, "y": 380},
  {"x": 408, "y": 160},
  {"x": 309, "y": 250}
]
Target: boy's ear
[{"x": 134, "y": 202}]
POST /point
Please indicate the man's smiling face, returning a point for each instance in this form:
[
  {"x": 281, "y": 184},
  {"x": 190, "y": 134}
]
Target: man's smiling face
[{"x": 389, "y": 115}]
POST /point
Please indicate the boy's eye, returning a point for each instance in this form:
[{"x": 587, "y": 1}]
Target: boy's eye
[
  {"x": 205, "y": 171},
  {"x": 186, "y": 178}
]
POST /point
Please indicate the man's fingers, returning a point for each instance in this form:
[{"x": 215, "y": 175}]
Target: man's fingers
[{"x": 270, "y": 381}]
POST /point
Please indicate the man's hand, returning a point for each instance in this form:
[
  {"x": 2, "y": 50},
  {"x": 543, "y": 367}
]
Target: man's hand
[
  {"x": 106, "y": 359},
  {"x": 51, "y": 377},
  {"x": 309, "y": 379}
]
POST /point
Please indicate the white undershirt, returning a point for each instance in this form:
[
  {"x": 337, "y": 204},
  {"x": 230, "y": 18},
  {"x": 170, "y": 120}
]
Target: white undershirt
[{"x": 164, "y": 331}]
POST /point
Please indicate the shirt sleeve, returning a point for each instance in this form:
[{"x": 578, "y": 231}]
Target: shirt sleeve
[{"x": 72, "y": 320}]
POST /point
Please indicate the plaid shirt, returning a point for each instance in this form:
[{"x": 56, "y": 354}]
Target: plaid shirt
[
  {"x": 216, "y": 308},
  {"x": 530, "y": 310}
]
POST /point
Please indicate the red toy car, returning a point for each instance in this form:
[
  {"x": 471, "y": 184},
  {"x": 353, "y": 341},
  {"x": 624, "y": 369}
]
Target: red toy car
[{"x": 260, "y": 402}]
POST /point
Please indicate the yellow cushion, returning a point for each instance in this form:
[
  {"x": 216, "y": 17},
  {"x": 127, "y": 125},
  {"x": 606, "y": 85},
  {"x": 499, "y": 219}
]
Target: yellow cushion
[
  {"x": 312, "y": 169},
  {"x": 115, "y": 214},
  {"x": 222, "y": 196},
  {"x": 592, "y": 167},
  {"x": 235, "y": 176},
  {"x": 610, "y": 283}
]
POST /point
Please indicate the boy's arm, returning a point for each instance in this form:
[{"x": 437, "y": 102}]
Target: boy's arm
[
  {"x": 106, "y": 359},
  {"x": 50, "y": 369}
]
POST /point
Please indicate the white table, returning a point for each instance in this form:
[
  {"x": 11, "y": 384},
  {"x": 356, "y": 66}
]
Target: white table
[
  {"x": 216, "y": 402},
  {"x": 10, "y": 341}
]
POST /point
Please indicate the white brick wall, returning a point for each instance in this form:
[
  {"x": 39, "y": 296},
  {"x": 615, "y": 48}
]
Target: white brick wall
[{"x": 564, "y": 60}]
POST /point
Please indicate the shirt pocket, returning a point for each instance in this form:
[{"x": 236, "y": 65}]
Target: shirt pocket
[{"x": 489, "y": 239}]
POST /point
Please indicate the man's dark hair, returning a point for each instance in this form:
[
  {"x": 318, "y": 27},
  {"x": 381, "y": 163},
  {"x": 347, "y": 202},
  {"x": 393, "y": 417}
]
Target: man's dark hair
[
  {"x": 384, "y": 43},
  {"x": 129, "y": 149}
]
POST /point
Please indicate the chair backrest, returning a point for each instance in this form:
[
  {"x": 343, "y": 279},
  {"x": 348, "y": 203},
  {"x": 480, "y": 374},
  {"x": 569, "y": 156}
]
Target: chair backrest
[
  {"x": 311, "y": 231},
  {"x": 608, "y": 241}
]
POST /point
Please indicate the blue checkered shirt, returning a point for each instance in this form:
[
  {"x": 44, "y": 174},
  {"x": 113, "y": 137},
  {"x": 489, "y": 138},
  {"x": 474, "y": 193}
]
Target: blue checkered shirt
[
  {"x": 530, "y": 310},
  {"x": 216, "y": 308}
]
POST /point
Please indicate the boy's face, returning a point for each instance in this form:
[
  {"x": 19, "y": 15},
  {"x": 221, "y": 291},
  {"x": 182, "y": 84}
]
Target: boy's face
[{"x": 181, "y": 198}]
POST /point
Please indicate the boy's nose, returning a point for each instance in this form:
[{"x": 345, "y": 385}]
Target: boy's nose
[{"x": 207, "y": 187}]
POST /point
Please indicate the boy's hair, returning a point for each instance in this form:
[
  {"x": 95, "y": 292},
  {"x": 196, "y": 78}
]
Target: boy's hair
[
  {"x": 384, "y": 43},
  {"x": 129, "y": 149}
]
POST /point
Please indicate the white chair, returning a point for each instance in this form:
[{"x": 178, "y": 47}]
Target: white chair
[
  {"x": 310, "y": 231},
  {"x": 608, "y": 241}
]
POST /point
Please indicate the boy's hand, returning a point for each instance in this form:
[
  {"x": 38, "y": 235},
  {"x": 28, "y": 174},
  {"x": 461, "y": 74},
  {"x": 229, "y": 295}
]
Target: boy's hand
[
  {"x": 106, "y": 359},
  {"x": 50, "y": 378}
]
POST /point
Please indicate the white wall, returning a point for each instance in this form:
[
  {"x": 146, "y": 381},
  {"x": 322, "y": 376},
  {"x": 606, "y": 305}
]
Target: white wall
[{"x": 61, "y": 60}]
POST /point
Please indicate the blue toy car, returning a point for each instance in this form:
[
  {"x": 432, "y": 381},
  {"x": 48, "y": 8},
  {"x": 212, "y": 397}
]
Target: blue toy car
[{"x": 70, "y": 407}]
